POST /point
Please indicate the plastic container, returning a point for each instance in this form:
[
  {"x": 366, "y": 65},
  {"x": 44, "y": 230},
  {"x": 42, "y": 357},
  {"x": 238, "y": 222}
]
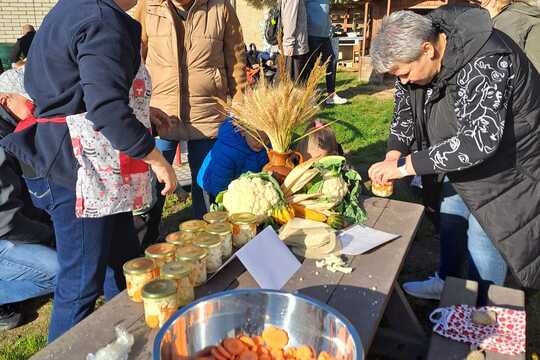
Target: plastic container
[
  {"x": 193, "y": 226},
  {"x": 180, "y": 272},
  {"x": 212, "y": 243},
  {"x": 244, "y": 228},
  {"x": 160, "y": 304},
  {"x": 180, "y": 238},
  {"x": 224, "y": 231},
  {"x": 215, "y": 217},
  {"x": 139, "y": 272},
  {"x": 161, "y": 253},
  {"x": 197, "y": 257}
]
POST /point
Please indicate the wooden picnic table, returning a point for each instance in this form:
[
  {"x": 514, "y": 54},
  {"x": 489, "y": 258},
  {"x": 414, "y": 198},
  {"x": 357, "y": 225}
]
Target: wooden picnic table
[{"x": 363, "y": 296}]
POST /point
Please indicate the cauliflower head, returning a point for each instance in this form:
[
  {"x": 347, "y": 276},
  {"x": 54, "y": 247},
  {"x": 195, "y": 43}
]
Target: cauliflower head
[
  {"x": 255, "y": 193},
  {"x": 334, "y": 188}
]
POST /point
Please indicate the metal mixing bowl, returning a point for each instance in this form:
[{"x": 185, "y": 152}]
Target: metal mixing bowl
[{"x": 209, "y": 320}]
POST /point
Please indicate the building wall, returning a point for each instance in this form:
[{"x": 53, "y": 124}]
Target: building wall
[
  {"x": 251, "y": 20},
  {"x": 16, "y": 13}
]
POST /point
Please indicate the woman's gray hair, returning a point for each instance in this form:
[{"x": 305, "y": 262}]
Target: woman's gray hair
[{"x": 399, "y": 40}]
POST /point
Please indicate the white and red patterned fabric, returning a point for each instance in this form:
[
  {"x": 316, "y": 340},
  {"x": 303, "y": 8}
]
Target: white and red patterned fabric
[
  {"x": 108, "y": 181},
  {"x": 507, "y": 336}
]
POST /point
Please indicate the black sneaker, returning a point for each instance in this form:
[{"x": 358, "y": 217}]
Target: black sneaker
[{"x": 9, "y": 317}]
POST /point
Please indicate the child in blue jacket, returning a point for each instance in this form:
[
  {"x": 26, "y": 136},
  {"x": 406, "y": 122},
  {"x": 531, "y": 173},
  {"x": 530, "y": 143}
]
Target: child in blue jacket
[{"x": 233, "y": 154}]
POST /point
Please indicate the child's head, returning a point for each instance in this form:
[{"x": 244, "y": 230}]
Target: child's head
[{"x": 319, "y": 143}]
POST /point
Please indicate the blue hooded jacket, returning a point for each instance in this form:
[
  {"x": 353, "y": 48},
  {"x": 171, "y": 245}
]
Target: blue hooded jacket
[{"x": 229, "y": 158}]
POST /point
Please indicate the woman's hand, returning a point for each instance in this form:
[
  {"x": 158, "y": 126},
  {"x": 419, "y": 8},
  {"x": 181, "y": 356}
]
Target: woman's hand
[
  {"x": 385, "y": 171},
  {"x": 159, "y": 118},
  {"x": 16, "y": 105},
  {"x": 164, "y": 171}
]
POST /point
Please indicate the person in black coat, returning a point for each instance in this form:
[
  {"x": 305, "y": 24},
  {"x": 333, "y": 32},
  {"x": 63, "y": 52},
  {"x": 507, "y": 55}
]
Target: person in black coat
[{"x": 22, "y": 46}]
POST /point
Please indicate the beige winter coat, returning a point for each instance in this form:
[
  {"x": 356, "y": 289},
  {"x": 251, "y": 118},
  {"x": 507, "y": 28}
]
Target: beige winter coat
[{"x": 185, "y": 79}]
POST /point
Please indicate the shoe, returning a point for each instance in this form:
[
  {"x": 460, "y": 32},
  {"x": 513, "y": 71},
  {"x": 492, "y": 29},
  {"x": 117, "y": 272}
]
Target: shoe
[
  {"x": 9, "y": 317},
  {"x": 336, "y": 100},
  {"x": 431, "y": 288}
]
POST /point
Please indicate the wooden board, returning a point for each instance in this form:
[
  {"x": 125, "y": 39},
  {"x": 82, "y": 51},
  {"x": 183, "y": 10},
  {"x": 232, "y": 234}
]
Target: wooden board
[
  {"x": 377, "y": 269},
  {"x": 456, "y": 291}
]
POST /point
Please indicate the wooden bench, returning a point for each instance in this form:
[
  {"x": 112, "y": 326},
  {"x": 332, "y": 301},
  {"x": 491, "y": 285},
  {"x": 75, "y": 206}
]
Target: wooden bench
[{"x": 459, "y": 291}]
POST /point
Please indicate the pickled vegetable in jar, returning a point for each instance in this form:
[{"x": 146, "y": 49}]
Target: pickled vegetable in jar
[
  {"x": 160, "y": 304},
  {"x": 161, "y": 253},
  {"x": 180, "y": 238},
  {"x": 215, "y": 217},
  {"x": 224, "y": 231},
  {"x": 180, "y": 272},
  {"x": 193, "y": 226},
  {"x": 244, "y": 228},
  {"x": 212, "y": 243},
  {"x": 139, "y": 272},
  {"x": 197, "y": 257}
]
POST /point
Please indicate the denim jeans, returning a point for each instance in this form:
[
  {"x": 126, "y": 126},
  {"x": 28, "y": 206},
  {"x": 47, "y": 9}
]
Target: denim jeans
[
  {"x": 197, "y": 151},
  {"x": 461, "y": 237},
  {"x": 27, "y": 270},
  {"x": 91, "y": 252},
  {"x": 319, "y": 46}
]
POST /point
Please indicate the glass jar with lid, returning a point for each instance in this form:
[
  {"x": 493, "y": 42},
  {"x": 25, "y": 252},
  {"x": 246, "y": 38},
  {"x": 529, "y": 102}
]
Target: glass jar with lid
[
  {"x": 161, "y": 253},
  {"x": 139, "y": 272},
  {"x": 216, "y": 217},
  {"x": 212, "y": 243},
  {"x": 224, "y": 231},
  {"x": 244, "y": 228},
  {"x": 160, "y": 304},
  {"x": 193, "y": 226},
  {"x": 180, "y": 272},
  {"x": 197, "y": 257},
  {"x": 180, "y": 238}
]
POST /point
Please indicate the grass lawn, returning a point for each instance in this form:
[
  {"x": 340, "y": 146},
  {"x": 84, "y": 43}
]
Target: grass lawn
[{"x": 362, "y": 129}]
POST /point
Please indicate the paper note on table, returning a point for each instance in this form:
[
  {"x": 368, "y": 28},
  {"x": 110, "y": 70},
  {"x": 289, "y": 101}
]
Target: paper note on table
[
  {"x": 268, "y": 260},
  {"x": 358, "y": 239}
]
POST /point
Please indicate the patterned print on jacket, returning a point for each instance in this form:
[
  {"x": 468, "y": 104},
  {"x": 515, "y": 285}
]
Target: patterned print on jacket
[{"x": 483, "y": 88}]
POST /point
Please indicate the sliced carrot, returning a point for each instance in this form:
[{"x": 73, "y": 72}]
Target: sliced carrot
[
  {"x": 275, "y": 338},
  {"x": 248, "y": 341},
  {"x": 234, "y": 346},
  {"x": 217, "y": 355},
  {"x": 204, "y": 358},
  {"x": 224, "y": 352},
  {"x": 290, "y": 352},
  {"x": 277, "y": 354},
  {"x": 324, "y": 356},
  {"x": 265, "y": 357},
  {"x": 258, "y": 340},
  {"x": 264, "y": 351},
  {"x": 304, "y": 353},
  {"x": 248, "y": 355}
]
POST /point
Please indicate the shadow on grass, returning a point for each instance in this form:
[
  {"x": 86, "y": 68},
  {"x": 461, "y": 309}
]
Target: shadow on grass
[{"x": 31, "y": 307}]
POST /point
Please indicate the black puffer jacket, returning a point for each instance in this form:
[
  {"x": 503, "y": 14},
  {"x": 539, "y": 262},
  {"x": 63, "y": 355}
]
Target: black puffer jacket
[{"x": 478, "y": 122}]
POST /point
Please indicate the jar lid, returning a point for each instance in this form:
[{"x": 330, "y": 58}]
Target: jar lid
[
  {"x": 180, "y": 238},
  {"x": 219, "y": 228},
  {"x": 243, "y": 218},
  {"x": 216, "y": 217},
  {"x": 175, "y": 270},
  {"x": 193, "y": 226},
  {"x": 160, "y": 250},
  {"x": 206, "y": 240},
  {"x": 191, "y": 253},
  {"x": 138, "y": 266},
  {"x": 159, "y": 289}
]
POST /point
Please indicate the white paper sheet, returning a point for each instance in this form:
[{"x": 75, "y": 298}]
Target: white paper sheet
[
  {"x": 358, "y": 239},
  {"x": 268, "y": 260}
]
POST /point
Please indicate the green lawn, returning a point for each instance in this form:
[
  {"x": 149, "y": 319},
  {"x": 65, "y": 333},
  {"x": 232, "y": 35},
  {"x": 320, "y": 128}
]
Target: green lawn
[{"x": 362, "y": 128}]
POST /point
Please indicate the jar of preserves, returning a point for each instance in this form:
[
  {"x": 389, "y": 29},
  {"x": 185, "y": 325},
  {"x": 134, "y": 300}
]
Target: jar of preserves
[
  {"x": 197, "y": 257},
  {"x": 139, "y": 272},
  {"x": 212, "y": 243},
  {"x": 180, "y": 272},
  {"x": 224, "y": 231},
  {"x": 216, "y": 217},
  {"x": 159, "y": 298},
  {"x": 180, "y": 238},
  {"x": 244, "y": 228},
  {"x": 161, "y": 253},
  {"x": 193, "y": 226}
]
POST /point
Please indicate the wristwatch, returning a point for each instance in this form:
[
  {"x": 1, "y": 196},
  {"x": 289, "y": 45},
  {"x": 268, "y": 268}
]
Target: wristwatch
[{"x": 402, "y": 167}]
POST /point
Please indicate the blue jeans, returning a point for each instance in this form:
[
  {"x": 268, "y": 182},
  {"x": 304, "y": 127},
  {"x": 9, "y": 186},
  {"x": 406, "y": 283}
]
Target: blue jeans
[
  {"x": 27, "y": 270},
  {"x": 461, "y": 237},
  {"x": 91, "y": 252},
  {"x": 197, "y": 151}
]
